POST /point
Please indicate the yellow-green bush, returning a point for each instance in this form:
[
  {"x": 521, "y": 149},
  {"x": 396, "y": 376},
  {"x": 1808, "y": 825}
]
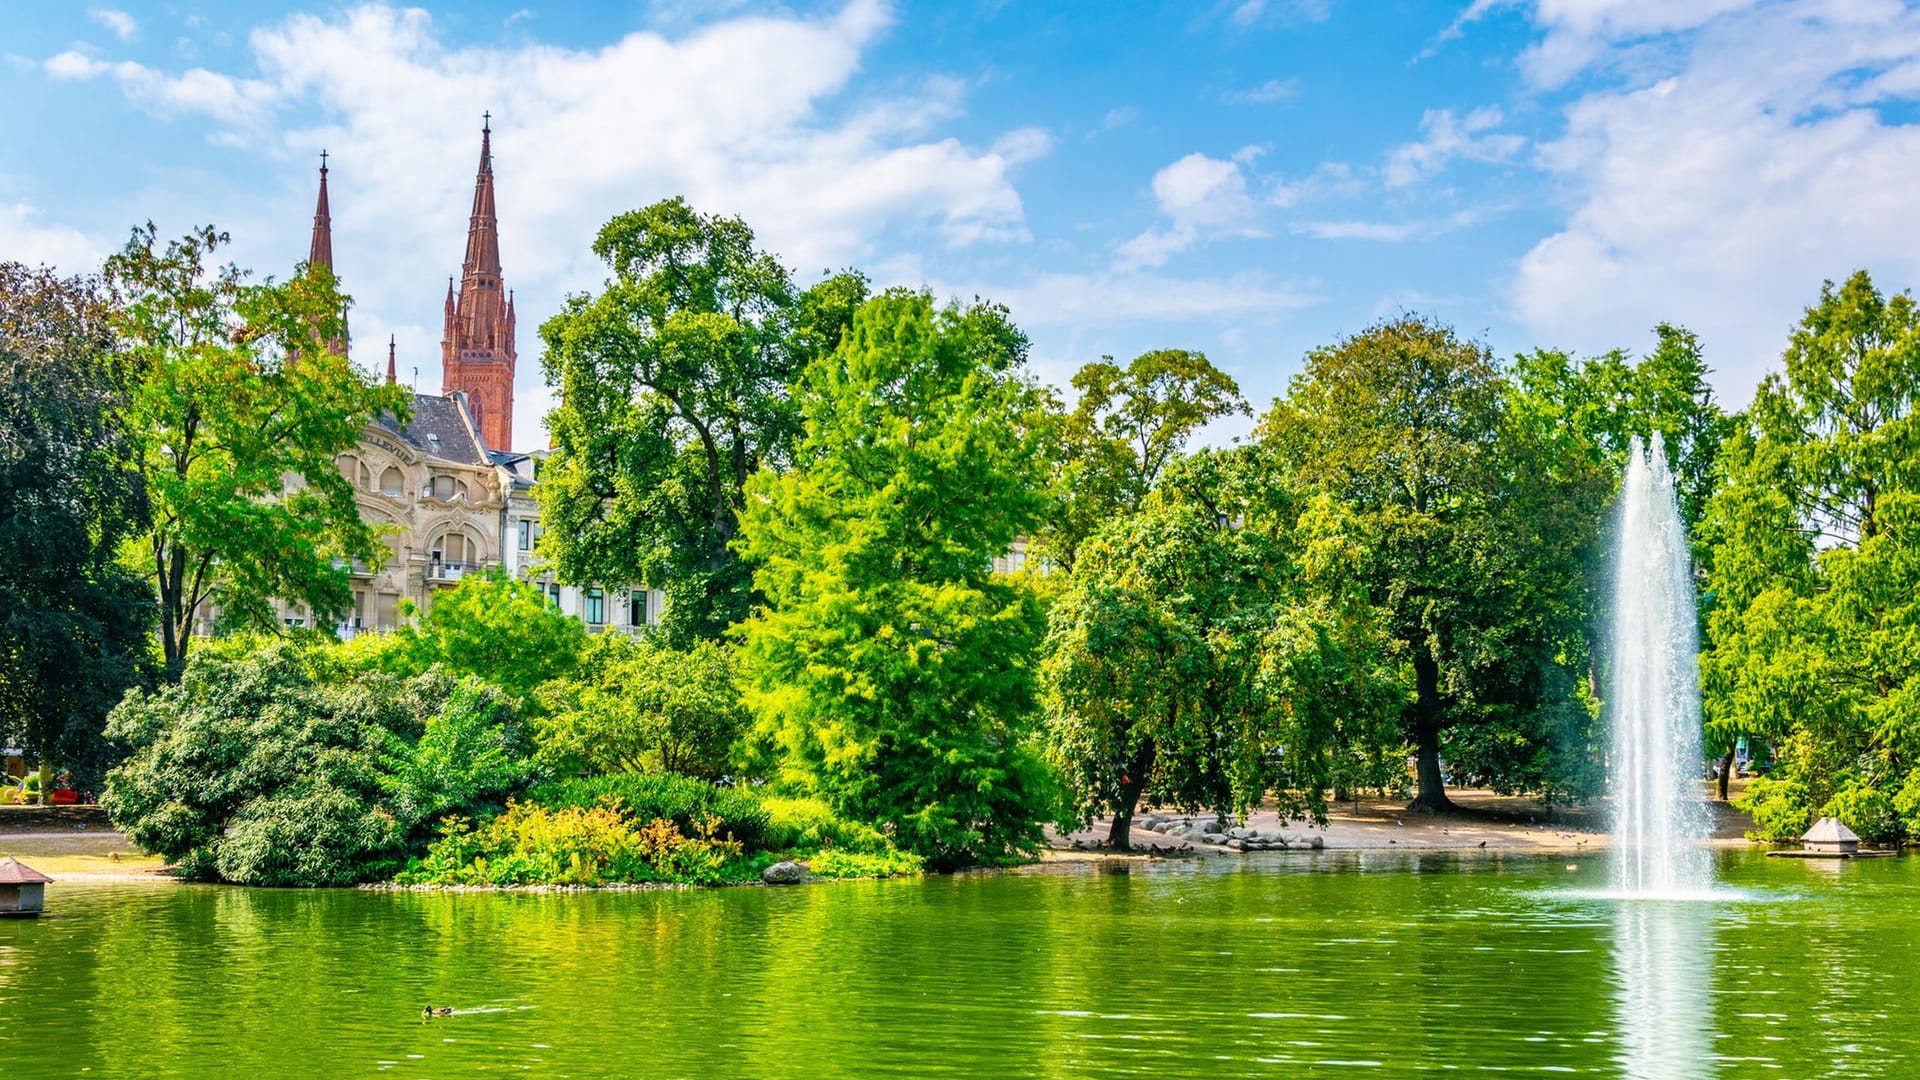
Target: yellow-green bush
[
  {"x": 838, "y": 863},
  {"x": 806, "y": 824},
  {"x": 575, "y": 845}
]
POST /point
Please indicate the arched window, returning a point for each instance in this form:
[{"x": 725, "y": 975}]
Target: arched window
[
  {"x": 391, "y": 482},
  {"x": 456, "y": 551},
  {"x": 349, "y": 466}
]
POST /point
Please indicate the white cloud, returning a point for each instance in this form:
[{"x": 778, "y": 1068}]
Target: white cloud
[
  {"x": 1247, "y": 14},
  {"x": 1265, "y": 94},
  {"x": 25, "y": 238},
  {"x": 239, "y": 102},
  {"x": 122, "y": 25},
  {"x": 1200, "y": 196},
  {"x": 1331, "y": 179},
  {"x": 1445, "y": 137},
  {"x": 1074, "y": 300},
  {"x": 1357, "y": 230},
  {"x": 1718, "y": 185},
  {"x": 746, "y": 116}
]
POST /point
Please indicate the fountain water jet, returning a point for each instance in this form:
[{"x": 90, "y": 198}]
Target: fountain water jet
[{"x": 1660, "y": 821}]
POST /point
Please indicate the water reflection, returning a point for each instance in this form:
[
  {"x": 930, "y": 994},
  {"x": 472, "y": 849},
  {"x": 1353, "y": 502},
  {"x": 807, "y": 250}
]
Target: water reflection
[{"x": 1663, "y": 975}]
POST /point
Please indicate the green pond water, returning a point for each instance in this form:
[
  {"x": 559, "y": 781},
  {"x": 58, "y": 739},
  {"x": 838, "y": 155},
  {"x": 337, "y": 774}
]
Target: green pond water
[{"x": 1338, "y": 964}]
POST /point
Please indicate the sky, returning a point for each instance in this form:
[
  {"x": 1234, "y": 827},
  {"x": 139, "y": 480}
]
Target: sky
[{"x": 1249, "y": 178}]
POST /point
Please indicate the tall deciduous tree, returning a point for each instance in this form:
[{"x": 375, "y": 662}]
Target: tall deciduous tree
[
  {"x": 73, "y": 622},
  {"x": 891, "y": 669},
  {"x": 1401, "y": 424},
  {"x": 1208, "y": 655},
  {"x": 1129, "y": 424},
  {"x": 238, "y": 410},
  {"x": 1816, "y": 570},
  {"x": 674, "y": 386}
]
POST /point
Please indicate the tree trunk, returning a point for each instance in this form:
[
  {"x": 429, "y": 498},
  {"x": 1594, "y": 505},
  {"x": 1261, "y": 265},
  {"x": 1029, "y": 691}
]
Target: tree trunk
[
  {"x": 1120, "y": 836},
  {"x": 1426, "y": 734},
  {"x": 1726, "y": 770}
]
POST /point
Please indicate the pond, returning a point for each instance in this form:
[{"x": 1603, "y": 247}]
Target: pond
[{"x": 1337, "y": 964}]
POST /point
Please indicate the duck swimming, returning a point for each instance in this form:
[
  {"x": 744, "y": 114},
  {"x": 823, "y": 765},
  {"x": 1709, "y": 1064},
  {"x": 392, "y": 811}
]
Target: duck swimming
[{"x": 429, "y": 1012}]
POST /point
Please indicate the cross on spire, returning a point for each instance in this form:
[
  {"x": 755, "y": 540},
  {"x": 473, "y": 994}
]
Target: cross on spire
[
  {"x": 323, "y": 160},
  {"x": 486, "y": 121}
]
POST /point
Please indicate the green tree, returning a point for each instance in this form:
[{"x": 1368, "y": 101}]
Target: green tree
[
  {"x": 73, "y": 622},
  {"x": 1129, "y": 424},
  {"x": 674, "y": 388},
  {"x": 238, "y": 410},
  {"x": 891, "y": 669},
  {"x": 1816, "y": 569},
  {"x": 491, "y": 626},
  {"x": 1401, "y": 424},
  {"x": 639, "y": 705},
  {"x": 1205, "y": 659},
  {"x": 1579, "y": 417}
]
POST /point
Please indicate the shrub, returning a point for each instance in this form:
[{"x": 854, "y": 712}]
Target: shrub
[
  {"x": 1778, "y": 805},
  {"x": 1865, "y": 809},
  {"x": 471, "y": 757},
  {"x": 682, "y": 800},
  {"x": 531, "y": 845},
  {"x": 810, "y": 824},
  {"x": 320, "y": 836},
  {"x": 640, "y": 706},
  {"x": 574, "y": 845},
  {"x": 251, "y": 770},
  {"x": 837, "y": 863}
]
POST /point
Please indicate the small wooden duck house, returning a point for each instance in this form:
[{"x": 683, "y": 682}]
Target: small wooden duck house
[
  {"x": 1828, "y": 836},
  {"x": 22, "y": 890}
]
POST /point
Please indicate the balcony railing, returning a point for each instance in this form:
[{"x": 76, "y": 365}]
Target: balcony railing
[{"x": 450, "y": 571}]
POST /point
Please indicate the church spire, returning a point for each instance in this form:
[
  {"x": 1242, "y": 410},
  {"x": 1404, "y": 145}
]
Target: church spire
[
  {"x": 477, "y": 350},
  {"x": 390, "y": 370},
  {"x": 320, "y": 253},
  {"x": 483, "y": 232},
  {"x": 320, "y": 250}
]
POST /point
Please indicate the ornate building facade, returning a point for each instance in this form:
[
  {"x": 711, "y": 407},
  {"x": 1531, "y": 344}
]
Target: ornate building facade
[{"x": 454, "y": 500}]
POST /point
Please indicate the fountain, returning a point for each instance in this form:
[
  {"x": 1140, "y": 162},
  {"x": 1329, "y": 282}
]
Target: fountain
[{"x": 1654, "y": 693}]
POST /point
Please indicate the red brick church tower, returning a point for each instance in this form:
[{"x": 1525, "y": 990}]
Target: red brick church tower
[{"x": 476, "y": 351}]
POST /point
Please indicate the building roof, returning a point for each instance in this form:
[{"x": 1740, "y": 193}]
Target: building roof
[
  {"x": 441, "y": 428},
  {"x": 1829, "y": 831},
  {"x": 15, "y": 872}
]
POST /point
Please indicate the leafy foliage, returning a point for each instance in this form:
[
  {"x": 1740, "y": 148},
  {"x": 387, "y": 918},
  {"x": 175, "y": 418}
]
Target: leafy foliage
[
  {"x": 492, "y": 627},
  {"x": 810, "y": 825},
  {"x": 575, "y": 845},
  {"x": 473, "y": 755},
  {"x": 891, "y": 671},
  {"x": 682, "y": 800},
  {"x": 643, "y": 706},
  {"x": 1205, "y": 659},
  {"x": 72, "y": 620},
  {"x": 673, "y": 382},
  {"x": 1816, "y": 569},
  {"x": 841, "y": 863},
  {"x": 1127, "y": 427},
  {"x": 237, "y": 410},
  {"x": 248, "y": 770}
]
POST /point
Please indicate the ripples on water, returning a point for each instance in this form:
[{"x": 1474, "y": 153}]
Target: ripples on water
[{"x": 1379, "y": 964}]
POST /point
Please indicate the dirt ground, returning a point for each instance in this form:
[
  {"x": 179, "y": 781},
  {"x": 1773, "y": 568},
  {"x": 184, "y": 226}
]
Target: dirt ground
[
  {"x": 72, "y": 846},
  {"x": 1482, "y": 819}
]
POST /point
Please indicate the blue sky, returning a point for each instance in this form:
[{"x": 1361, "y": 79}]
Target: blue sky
[{"x": 1251, "y": 178}]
